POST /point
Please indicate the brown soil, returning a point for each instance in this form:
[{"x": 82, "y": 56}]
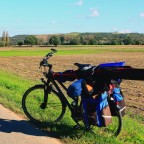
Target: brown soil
[{"x": 28, "y": 67}]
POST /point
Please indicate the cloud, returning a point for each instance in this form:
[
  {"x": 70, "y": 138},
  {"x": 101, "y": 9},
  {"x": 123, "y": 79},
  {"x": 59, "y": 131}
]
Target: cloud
[
  {"x": 79, "y": 3},
  {"x": 94, "y": 12},
  {"x": 141, "y": 14},
  {"x": 114, "y": 28},
  {"x": 125, "y": 31}
]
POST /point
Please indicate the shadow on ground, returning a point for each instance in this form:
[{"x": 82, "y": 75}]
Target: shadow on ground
[
  {"x": 27, "y": 127},
  {"x": 22, "y": 126}
]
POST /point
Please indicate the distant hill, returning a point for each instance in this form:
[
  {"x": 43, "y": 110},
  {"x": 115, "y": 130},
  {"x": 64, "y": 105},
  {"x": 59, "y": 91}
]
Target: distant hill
[
  {"x": 46, "y": 36},
  {"x": 90, "y": 38},
  {"x": 17, "y": 38}
]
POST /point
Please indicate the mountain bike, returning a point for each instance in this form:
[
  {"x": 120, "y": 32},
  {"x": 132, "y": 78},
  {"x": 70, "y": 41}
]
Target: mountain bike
[{"x": 46, "y": 103}]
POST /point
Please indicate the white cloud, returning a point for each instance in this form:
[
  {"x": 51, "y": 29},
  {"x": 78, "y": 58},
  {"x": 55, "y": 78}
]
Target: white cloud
[
  {"x": 79, "y": 3},
  {"x": 125, "y": 31},
  {"x": 94, "y": 12},
  {"x": 115, "y": 29},
  {"x": 118, "y": 30},
  {"x": 141, "y": 14}
]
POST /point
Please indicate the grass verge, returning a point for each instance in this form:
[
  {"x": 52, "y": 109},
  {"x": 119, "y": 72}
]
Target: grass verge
[{"x": 12, "y": 88}]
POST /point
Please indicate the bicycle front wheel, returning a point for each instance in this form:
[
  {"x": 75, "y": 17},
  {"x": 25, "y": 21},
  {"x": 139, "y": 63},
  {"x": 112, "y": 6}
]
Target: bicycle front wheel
[{"x": 32, "y": 101}]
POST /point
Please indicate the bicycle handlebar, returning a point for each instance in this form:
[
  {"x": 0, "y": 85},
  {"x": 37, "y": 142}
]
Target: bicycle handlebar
[
  {"x": 50, "y": 54},
  {"x": 44, "y": 62}
]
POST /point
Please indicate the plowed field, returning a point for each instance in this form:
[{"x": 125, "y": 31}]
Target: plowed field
[{"x": 28, "y": 67}]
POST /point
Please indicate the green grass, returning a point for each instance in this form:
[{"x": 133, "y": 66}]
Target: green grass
[
  {"x": 12, "y": 88},
  {"x": 69, "y": 50}
]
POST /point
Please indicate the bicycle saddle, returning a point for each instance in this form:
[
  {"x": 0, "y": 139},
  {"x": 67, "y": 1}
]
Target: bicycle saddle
[{"x": 83, "y": 67}]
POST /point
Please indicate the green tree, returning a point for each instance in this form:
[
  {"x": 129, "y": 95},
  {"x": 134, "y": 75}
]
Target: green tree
[
  {"x": 75, "y": 41},
  {"x": 54, "y": 40},
  {"x": 85, "y": 42},
  {"x": 128, "y": 41},
  {"x": 137, "y": 42},
  {"x": 92, "y": 42},
  {"x": 2, "y": 44},
  {"x": 20, "y": 43},
  {"x": 62, "y": 39},
  {"x": 114, "y": 42},
  {"x": 31, "y": 40},
  {"x": 81, "y": 40}
]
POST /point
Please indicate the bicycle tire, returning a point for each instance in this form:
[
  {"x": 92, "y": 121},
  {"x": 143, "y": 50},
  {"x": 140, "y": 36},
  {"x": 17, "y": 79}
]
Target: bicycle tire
[
  {"x": 114, "y": 128},
  {"x": 31, "y": 104}
]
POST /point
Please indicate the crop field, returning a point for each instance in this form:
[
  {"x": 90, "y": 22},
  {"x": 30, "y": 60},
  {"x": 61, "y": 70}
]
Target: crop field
[{"x": 23, "y": 63}]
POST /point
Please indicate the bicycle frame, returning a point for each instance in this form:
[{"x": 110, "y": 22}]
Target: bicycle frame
[{"x": 49, "y": 87}]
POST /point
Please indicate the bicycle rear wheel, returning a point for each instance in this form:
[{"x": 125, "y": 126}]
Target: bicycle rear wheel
[
  {"x": 32, "y": 101},
  {"x": 114, "y": 128}
]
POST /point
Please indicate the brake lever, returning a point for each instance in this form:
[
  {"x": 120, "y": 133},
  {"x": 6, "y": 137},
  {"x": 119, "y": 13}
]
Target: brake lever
[{"x": 43, "y": 63}]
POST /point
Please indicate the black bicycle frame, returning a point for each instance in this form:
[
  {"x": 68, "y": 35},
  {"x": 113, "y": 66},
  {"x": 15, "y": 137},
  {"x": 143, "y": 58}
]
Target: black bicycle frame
[{"x": 62, "y": 96}]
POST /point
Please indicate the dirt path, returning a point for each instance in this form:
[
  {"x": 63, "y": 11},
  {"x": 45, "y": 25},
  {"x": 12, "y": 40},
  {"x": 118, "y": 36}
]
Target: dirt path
[{"x": 15, "y": 130}]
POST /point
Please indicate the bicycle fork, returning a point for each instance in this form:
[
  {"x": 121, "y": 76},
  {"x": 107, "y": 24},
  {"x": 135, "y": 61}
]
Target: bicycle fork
[{"x": 47, "y": 90}]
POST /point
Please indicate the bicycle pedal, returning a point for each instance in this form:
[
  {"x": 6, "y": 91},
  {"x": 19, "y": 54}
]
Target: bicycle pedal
[
  {"x": 87, "y": 128},
  {"x": 76, "y": 127}
]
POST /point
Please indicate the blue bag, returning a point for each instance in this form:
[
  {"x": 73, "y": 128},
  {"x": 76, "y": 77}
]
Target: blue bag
[
  {"x": 119, "y": 99},
  {"x": 75, "y": 89},
  {"x": 117, "y": 95},
  {"x": 96, "y": 111}
]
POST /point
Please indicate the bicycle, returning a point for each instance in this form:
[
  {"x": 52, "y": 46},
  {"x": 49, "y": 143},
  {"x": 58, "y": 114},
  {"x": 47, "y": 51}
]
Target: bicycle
[{"x": 46, "y": 103}]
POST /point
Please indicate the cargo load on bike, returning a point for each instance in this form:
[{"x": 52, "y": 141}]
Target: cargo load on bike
[{"x": 97, "y": 95}]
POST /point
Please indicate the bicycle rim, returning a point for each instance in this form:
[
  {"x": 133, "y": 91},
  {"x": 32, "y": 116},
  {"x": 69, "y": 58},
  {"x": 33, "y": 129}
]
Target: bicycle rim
[
  {"x": 113, "y": 129},
  {"x": 31, "y": 103}
]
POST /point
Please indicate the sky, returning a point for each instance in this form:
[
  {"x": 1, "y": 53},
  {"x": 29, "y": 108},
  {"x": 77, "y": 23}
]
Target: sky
[{"x": 65, "y": 16}]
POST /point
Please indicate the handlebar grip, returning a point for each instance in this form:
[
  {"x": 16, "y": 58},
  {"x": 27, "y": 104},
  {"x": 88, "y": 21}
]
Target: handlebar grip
[
  {"x": 44, "y": 62},
  {"x": 51, "y": 53}
]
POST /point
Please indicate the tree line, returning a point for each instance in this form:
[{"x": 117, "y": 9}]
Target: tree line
[{"x": 74, "y": 39}]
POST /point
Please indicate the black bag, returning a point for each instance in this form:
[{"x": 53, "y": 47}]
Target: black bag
[{"x": 68, "y": 75}]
